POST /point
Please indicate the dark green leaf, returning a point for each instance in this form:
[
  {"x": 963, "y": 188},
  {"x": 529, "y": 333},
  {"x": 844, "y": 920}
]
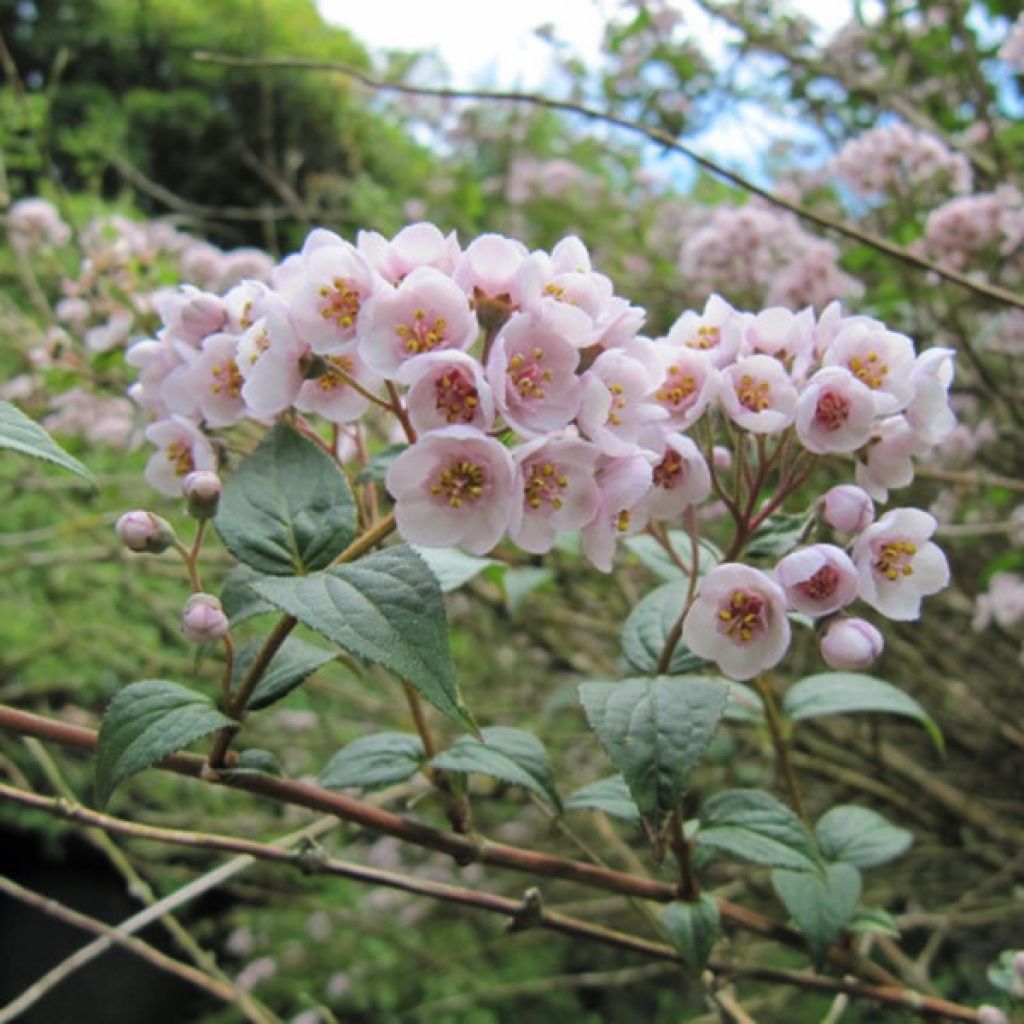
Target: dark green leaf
[
  {"x": 819, "y": 904},
  {"x": 841, "y": 693},
  {"x": 293, "y": 662},
  {"x": 778, "y": 535},
  {"x": 655, "y": 731},
  {"x": 144, "y": 723},
  {"x": 693, "y": 929},
  {"x": 648, "y": 625},
  {"x": 860, "y": 837},
  {"x": 287, "y": 508},
  {"x": 520, "y": 583},
  {"x": 378, "y": 760},
  {"x": 255, "y": 762},
  {"x": 511, "y": 755},
  {"x": 386, "y": 608},
  {"x": 239, "y": 600},
  {"x": 453, "y": 567},
  {"x": 609, "y": 795},
  {"x": 20, "y": 434},
  {"x": 744, "y": 704},
  {"x": 753, "y": 825}
]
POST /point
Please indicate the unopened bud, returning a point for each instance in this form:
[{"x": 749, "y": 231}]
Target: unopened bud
[
  {"x": 848, "y": 508},
  {"x": 721, "y": 456},
  {"x": 851, "y": 644},
  {"x": 203, "y": 619},
  {"x": 145, "y": 533},
  {"x": 202, "y": 491},
  {"x": 991, "y": 1015}
]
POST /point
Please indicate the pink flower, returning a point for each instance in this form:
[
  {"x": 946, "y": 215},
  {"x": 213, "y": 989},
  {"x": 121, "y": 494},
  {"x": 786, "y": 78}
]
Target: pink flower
[
  {"x": 782, "y": 334},
  {"x": 690, "y": 383},
  {"x": 488, "y": 269},
  {"x": 1003, "y": 602},
  {"x": 680, "y": 477},
  {"x": 270, "y": 358},
  {"x": 715, "y": 332},
  {"x": 453, "y": 487},
  {"x": 851, "y": 644},
  {"x": 888, "y": 464},
  {"x": 447, "y": 389},
  {"x": 758, "y": 395},
  {"x": 182, "y": 448},
  {"x": 532, "y": 371},
  {"x": 415, "y": 246},
  {"x": 928, "y": 413},
  {"x": 847, "y": 508},
  {"x": 834, "y": 412},
  {"x": 427, "y": 312},
  {"x": 817, "y": 580},
  {"x": 332, "y": 395},
  {"x": 623, "y": 484},
  {"x": 203, "y": 619},
  {"x": 556, "y": 478},
  {"x": 738, "y": 621},
  {"x": 879, "y": 358},
  {"x": 144, "y": 533},
  {"x": 615, "y": 409},
  {"x": 898, "y": 565},
  {"x": 190, "y": 314},
  {"x": 214, "y": 381}
]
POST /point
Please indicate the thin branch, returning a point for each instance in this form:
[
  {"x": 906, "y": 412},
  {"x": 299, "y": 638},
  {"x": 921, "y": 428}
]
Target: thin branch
[{"x": 883, "y": 245}]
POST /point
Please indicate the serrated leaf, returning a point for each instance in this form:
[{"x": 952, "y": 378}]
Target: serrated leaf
[
  {"x": 655, "y": 731},
  {"x": 453, "y": 567},
  {"x": 649, "y": 624},
  {"x": 778, "y": 535},
  {"x": 377, "y": 468},
  {"x": 294, "y": 661},
  {"x": 239, "y": 601},
  {"x": 755, "y": 826},
  {"x": 145, "y": 722},
  {"x": 819, "y": 904},
  {"x": 378, "y": 760},
  {"x": 21, "y": 434},
  {"x": 510, "y": 755},
  {"x": 386, "y": 608},
  {"x": 861, "y": 837},
  {"x": 654, "y": 556},
  {"x": 693, "y": 928},
  {"x": 609, "y": 795},
  {"x": 287, "y": 508},
  {"x": 843, "y": 693}
]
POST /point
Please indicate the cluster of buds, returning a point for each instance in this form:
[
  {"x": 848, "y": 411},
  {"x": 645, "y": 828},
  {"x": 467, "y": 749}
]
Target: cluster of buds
[{"x": 533, "y": 405}]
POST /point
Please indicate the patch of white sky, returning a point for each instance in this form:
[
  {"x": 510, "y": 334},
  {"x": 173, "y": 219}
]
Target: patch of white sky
[{"x": 484, "y": 45}]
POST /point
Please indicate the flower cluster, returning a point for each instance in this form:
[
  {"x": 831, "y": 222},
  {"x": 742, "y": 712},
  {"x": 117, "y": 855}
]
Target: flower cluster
[
  {"x": 533, "y": 406},
  {"x": 989, "y": 223},
  {"x": 1012, "y": 50}
]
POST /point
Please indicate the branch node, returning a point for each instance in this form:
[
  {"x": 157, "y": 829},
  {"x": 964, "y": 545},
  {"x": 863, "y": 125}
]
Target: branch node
[{"x": 530, "y": 914}]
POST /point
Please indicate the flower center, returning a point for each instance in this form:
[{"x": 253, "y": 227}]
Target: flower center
[
  {"x": 677, "y": 389},
  {"x": 707, "y": 337},
  {"x": 832, "y": 411},
  {"x": 543, "y": 484},
  {"x": 669, "y": 472},
  {"x": 460, "y": 481},
  {"x": 421, "y": 335},
  {"x": 869, "y": 370},
  {"x": 456, "y": 397},
  {"x": 179, "y": 455},
  {"x": 822, "y": 585},
  {"x": 618, "y": 404},
  {"x": 527, "y": 376},
  {"x": 743, "y": 616},
  {"x": 895, "y": 558},
  {"x": 227, "y": 378},
  {"x": 341, "y": 302},
  {"x": 753, "y": 394},
  {"x": 339, "y": 370}
]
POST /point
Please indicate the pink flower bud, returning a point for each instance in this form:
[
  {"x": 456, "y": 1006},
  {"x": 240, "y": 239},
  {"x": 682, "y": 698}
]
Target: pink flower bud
[
  {"x": 848, "y": 508},
  {"x": 145, "y": 533},
  {"x": 202, "y": 491},
  {"x": 203, "y": 619},
  {"x": 851, "y": 644},
  {"x": 991, "y": 1015}
]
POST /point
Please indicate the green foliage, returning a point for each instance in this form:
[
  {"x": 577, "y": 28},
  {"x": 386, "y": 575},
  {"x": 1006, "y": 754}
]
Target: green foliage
[
  {"x": 287, "y": 508},
  {"x": 381, "y": 759},
  {"x": 510, "y": 755},
  {"x": 861, "y": 837},
  {"x": 610, "y": 796},
  {"x": 453, "y": 567},
  {"x": 820, "y": 904},
  {"x": 693, "y": 929},
  {"x": 294, "y": 661},
  {"x": 655, "y": 731},
  {"x": 646, "y": 629},
  {"x": 144, "y": 723},
  {"x": 657, "y": 559},
  {"x": 20, "y": 434}
]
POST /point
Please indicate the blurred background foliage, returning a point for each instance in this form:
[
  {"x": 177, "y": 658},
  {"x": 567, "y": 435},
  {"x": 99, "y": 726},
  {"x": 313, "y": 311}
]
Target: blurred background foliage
[{"x": 104, "y": 109}]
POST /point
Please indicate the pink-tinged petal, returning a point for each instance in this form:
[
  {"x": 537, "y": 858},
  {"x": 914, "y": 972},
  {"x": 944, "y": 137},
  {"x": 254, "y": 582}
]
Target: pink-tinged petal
[
  {"x": 818, "y": 580},
  {"x": 758, "y": 395}
]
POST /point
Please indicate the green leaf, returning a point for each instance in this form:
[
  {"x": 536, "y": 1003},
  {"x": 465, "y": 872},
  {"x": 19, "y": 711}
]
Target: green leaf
[
  {"x": 778, "y": 535},
  {"x": 609, "y": 795},
  {"x": 377, "y": 468},
  {"x": 744, "y": 705},
  {"x": 874, "y": 920},
  {"x": 287, "y": 508},
  {"x": 511, "y": 755},
  {"x": 293, "y": 662},
  {"x": 655, "y": 731},
  {"x": 452, "y": 567},
  {"x": 648, "y": 625},
  {"x": 21, "y": 434},
  {"x": 144, "y": 723},
  {"x": 861, "y": 837},
  {"x": 239, "y": 601},
  {"x": 840, "y": 693},
  {"x": 518, "y": 584},
  {"x": 378, "y": 760},
  {"x": 819, "y": 904},
  {"x": 254, "y": 762},
  {"x": 387, "y": 608},
  {"x": 753, "y": 825},
  {"x": 654, "y": 556},
  {"x": 693, "y": 929}
]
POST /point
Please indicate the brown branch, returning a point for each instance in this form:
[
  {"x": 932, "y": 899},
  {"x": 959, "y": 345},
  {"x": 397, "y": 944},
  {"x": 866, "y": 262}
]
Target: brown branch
[{"x": 883, "y": 245}]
